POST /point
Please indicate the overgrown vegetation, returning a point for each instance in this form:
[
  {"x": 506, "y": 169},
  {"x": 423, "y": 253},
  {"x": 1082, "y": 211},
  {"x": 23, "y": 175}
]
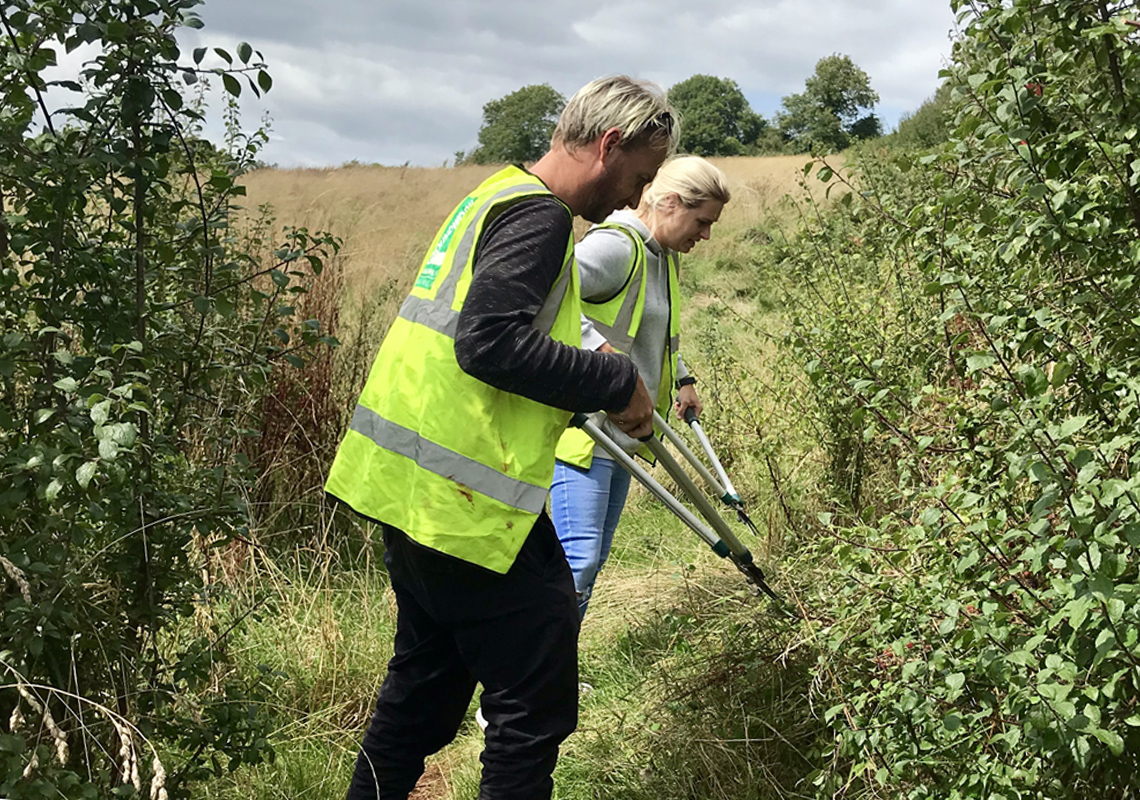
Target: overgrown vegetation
[
  {"x": 971, "y": 335},
  {"x": 929, "y": 125},
  {"x": 140, "y": 332}
]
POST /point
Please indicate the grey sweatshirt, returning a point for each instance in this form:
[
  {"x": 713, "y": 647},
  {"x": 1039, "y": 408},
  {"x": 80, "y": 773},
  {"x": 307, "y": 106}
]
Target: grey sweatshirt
[{"x": 603, "y": 265}]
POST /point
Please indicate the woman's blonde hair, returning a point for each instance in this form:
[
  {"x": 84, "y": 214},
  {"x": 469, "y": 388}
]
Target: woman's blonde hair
[
  {"x": 639, "y": 109},
  {"x": 691, "y": 178}
]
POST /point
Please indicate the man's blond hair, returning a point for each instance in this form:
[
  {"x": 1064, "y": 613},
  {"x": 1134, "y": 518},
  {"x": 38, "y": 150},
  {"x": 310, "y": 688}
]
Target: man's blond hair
[
  {"x": 639, "y": 109},
  {"x": 691, "y": 178}
]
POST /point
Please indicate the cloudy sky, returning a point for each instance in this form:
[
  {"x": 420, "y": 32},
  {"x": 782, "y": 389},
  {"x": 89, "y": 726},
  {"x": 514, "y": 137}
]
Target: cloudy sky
[{"x": 395, "y": 81}]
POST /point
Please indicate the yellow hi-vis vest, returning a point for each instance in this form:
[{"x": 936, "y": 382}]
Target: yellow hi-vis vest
[
  {"x": 619, "y": 319},
  {"x": 458, "y": 465}
]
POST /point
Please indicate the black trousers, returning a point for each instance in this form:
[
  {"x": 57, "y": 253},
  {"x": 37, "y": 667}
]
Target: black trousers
[{"x": 459, "y": 624}]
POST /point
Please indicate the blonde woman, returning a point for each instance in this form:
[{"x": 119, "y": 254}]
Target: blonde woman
[{"x": 630, "y": 298}]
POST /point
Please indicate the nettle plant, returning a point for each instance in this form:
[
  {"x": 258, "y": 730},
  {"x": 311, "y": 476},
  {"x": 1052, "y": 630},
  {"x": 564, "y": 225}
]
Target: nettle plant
[
  {"x": 985, "y": 638},
  {"x": 138, "y": 335}
]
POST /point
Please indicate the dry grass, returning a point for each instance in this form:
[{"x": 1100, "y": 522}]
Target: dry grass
[
  {"x": 758, "y": 185},
  {"x": 387, "y": 216}
]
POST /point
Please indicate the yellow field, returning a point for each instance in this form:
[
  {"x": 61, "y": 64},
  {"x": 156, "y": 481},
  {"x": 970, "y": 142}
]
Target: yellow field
[{"x": 388, "y": 215}]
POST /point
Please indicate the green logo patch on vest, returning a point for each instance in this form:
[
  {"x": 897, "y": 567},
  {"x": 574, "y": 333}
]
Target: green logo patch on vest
[{"x": 431, "y": 267}]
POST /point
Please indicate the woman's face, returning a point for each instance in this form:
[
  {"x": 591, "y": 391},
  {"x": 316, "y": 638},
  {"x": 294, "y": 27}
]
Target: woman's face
[{"x": 679, "y": 228}]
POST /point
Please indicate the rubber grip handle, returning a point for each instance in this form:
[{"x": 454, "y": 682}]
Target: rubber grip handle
[{"x": 690, "y": 415}]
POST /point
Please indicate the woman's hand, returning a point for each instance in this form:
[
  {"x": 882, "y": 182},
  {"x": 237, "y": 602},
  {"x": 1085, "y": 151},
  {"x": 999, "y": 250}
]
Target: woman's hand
[{"x": 687, "y": 398}]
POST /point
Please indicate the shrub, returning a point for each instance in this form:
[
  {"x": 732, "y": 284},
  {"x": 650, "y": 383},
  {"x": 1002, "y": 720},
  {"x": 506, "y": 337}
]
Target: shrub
[
  {"x": 982, "y": 635},
  {"x": 138, "y": 336}
]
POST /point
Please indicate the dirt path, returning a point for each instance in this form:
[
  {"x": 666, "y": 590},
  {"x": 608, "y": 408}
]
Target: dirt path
[{"x": 432, "y": 785}]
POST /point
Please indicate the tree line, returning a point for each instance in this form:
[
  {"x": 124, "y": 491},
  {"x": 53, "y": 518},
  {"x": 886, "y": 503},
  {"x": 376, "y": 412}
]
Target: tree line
[{"x": 834, "y": 111}]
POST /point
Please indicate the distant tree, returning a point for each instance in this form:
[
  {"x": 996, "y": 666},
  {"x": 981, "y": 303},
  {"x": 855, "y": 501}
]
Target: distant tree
[
  {"x": 716, "y": 117},
  {"x": 517, "y": 127},
  {"x": 831, "y": 112},
  {"x": 930, "y": 124}
]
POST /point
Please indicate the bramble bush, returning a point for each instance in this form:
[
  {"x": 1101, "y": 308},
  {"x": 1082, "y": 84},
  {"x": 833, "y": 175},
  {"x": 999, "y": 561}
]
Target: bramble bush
[
  {"x": 975, "y": 337},
  {"x": 138, "y": 339}
]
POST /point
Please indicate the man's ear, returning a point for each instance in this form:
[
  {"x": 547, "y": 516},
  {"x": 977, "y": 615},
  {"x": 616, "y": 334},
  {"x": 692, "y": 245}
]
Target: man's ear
[{"x": 609, "y": 142}]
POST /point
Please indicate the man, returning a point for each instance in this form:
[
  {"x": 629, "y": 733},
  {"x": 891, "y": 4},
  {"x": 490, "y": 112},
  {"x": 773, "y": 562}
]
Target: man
[{"x": 451, "y": 449}]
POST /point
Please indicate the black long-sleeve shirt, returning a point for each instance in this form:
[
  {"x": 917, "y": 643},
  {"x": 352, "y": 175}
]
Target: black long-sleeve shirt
[{"x": 517, "y": 260}]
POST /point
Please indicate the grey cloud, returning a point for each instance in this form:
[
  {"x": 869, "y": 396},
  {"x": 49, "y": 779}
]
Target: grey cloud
[{"x": 406, "y": 80}]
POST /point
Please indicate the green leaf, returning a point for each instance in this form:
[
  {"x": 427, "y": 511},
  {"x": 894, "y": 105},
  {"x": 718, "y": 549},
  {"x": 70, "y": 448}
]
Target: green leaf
[
  {"x": 53, "y": 490},
  {"x": 67, "y": 385},
  {"x": 231, "y": 84},
  {"x": 264, "y": 80},
  {"x": 979, "y": 362},
  {"x": 101, "y": 412},
  {"x": 1034, "y": 378},
  {"x": 199, "y": 54},
  {"x": 279, "y": 278},
  {"x": 108, "y": 450},
  {"x": 223, "y": 306},
  {"x": 1110, "y": 738},
  {"x": 1022, "y": 657},
  {"x": 245, "y": 52},
  {"x": 202, "y": 305},
  {"x": 1071, "y": 426},
  {"x": 955, "y": 680},
  {"x": 85, "y": 473}
]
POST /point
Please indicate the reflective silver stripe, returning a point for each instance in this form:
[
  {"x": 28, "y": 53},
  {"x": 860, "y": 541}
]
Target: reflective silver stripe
[
  {"x": 618, "y": 334},
  {"x": 618, "y": 339},
  {"x": 624, "y": 319},
  {"x": 449, "y": 464},
  {"x": 544, "y": 319},
  {"x": 675, "y": 344},
  {"x": 439, "y": 317},
  {"x": 446, "y": 293},
  {"x": 437, "y": 314}
]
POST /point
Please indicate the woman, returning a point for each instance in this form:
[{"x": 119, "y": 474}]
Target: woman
[{"x": 629, "y": 272}]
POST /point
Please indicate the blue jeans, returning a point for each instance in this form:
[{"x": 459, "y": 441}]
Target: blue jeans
[{"x": 586, "y": 505}]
